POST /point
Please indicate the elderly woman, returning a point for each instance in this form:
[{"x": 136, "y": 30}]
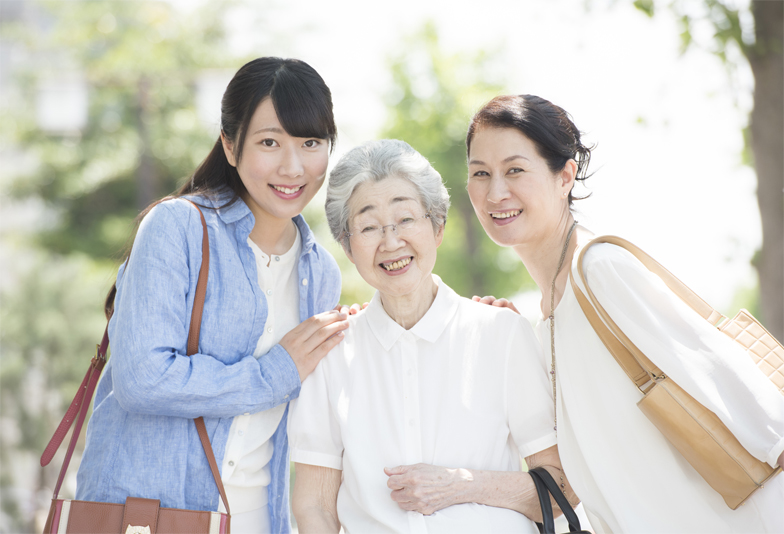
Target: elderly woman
[{"x": 423, "y": 376}]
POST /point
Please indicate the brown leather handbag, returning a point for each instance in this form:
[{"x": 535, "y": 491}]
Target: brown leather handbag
[
  {"x": 696, "y": 432},
  {"x": 137, "y": 515}
]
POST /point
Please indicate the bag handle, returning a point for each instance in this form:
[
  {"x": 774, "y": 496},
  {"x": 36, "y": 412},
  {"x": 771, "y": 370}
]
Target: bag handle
[
  {"x": 81, "y": 402},
  {"x": 546, "y": 486}
]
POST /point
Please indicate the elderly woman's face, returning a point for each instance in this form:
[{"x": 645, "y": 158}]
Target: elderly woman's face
[{"x": 397, "y": 260}]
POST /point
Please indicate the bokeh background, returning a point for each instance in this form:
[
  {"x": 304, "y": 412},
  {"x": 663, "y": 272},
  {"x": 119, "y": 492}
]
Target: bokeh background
[{"x": 106, "y": 106}]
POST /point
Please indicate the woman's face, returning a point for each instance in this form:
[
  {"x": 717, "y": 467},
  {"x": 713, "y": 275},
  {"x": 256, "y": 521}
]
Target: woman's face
[
  {"x": 395, "y": 264},
  {"x": 515, "y": 195},
  {"x": 281, "y": 173}
]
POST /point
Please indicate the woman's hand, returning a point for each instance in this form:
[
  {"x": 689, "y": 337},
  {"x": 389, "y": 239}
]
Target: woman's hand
[
  {"x": 351, "y": 310},
  {"x": 492, "y": 301},
  {"x": 426, "y": 488},
  {"x": 311, "y": 340}
]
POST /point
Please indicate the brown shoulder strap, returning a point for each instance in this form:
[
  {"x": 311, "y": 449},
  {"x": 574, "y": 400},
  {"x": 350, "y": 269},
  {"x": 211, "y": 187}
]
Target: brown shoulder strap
[{"x": 77, "y": 411}]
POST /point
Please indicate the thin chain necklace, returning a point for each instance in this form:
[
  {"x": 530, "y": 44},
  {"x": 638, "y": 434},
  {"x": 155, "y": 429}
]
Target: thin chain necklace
[{"x": 552, "y": 323}]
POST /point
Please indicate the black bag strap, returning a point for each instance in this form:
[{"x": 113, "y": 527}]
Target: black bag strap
[{"x": 546, "y": 486}]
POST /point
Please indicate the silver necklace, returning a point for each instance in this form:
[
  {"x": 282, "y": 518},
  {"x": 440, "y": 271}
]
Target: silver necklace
[{"x": 552, "y": 323}]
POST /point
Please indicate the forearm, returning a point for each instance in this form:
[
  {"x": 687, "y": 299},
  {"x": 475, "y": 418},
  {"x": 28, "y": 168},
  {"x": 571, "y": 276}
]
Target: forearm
[
  {"x": 513, "y": 490},
  {"x": 315, "y": 497}
]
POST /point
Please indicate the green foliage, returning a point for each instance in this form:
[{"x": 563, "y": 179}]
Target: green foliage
[
  {"x": 646, "y": 6},
  {"x": 431, "y": 102},
  {"x": 142, "y": 138}
]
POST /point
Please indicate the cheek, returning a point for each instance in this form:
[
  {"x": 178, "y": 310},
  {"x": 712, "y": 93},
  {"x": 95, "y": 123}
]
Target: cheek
[{"x": 319, "y": 164}]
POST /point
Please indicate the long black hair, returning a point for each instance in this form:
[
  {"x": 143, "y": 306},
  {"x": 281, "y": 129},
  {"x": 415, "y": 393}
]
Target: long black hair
[{"x": 303, "y": 104}]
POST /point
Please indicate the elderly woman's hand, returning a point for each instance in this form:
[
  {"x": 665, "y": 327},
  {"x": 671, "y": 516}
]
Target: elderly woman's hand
[
  {"x": 492, "y": 301},
  {"x": 428, "y": 488}
]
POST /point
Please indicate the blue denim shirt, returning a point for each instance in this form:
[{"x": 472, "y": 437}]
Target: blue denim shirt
[{"x": 141, "y": 440}]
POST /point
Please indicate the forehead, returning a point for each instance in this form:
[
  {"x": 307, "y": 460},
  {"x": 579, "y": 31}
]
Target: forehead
[
  {"x": 371, "y": 197},
  {"x": 498, "y": 143},
  {"x": 264, "y": 118}
]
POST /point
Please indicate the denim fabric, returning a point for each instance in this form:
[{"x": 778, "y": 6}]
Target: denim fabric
[{"x": 141, "y": 440}]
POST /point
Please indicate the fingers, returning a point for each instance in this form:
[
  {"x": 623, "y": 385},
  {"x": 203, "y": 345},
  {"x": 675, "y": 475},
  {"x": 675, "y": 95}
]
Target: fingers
[
  {"x": 399, "y": 470},
  {"x": 351, "y": 310}
]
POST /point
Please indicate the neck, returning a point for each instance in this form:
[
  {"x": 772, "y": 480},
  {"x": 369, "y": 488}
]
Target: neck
[
  {"x": 541, "y": 260},
  {"x": 407, "y": 310},
  {"x": 271, "y": 234}
]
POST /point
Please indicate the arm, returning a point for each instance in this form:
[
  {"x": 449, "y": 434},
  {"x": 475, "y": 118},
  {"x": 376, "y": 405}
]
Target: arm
[
  {"x": 702, "y": 360},
  {"x": 427, "y": 488},
  {"x": 315, "y": 498},
  {"x": 150, "y": 371}
]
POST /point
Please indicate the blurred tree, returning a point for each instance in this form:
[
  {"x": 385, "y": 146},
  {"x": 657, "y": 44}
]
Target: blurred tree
[
  {"x": 142, "y": 137},
  {"x": 432, "y": 99},
  {"x": 757, "y": 32}
]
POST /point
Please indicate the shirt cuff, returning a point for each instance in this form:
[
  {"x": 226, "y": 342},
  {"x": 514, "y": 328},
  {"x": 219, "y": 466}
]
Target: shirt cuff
[
  {"x": 532, "y": 447},
  {"x": 281, "y": 373},
  {"x": 774, "y": 453},
  {"x": 316, "y": 458}
]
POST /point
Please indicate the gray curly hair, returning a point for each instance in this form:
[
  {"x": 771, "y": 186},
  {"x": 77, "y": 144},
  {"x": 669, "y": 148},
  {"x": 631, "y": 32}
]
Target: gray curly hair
[{"x": 376, "y": 160}]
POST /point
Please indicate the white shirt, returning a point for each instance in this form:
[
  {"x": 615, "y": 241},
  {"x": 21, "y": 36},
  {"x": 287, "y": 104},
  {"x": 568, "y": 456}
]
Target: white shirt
[
  {"x": 465, "y": 387},
  {"x": 245, "y": 470},
  {"x": 630, "y": 479}
]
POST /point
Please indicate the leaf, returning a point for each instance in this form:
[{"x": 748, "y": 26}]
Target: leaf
[{"x": 646, "y": 6}]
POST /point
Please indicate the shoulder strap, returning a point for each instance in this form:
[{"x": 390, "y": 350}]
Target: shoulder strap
[
  {"x": 81, "y": 402},
  {"x": 642, "y": 371}
]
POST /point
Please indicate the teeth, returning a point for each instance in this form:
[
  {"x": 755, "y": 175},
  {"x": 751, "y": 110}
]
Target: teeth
[
  {"x": 286, "y": 190},
  {"x": 505, "y": 214},
  {"x": 396, "y": 265}
]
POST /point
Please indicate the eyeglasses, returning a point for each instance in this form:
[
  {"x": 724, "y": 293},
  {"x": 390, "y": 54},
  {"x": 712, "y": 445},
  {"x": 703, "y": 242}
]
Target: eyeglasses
[{"x": 373, "y": 233}]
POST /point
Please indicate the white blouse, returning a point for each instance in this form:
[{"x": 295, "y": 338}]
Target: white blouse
[
  {"x": 630, "y": 479},
  {"x": 245, "y": 469},
  {"x": 465, "y": 387}
]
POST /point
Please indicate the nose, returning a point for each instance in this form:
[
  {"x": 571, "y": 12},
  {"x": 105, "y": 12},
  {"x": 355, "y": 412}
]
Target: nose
[
  {"x": 498, "y": 190},
  {"x": 389, "y": 238},
  {"x": 291, "y": 164}
]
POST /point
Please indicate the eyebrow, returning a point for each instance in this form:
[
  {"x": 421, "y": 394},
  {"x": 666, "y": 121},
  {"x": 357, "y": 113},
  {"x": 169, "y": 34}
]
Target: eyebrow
[
  {"x": 506, "y": 160},
  {"x": 272, "y": 129},
  {"x": 371, "y": 207}
]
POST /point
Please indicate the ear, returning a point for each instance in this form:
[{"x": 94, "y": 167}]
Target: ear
[
  {"x": 440, "y": 235},
  {"x": 566, "y": 176},
  {"x": 348, "y": 254},
  {"x": 228, "y": 150}
]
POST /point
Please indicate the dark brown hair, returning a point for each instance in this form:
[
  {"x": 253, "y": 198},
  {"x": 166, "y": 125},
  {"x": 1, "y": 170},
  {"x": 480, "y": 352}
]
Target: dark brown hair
[
  {"x": 303, "y": 104},
  {"x": 550, "y": 127}
]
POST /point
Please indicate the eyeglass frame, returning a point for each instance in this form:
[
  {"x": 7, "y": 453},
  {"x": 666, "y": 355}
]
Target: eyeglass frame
[{"x": 394, "y": 227}]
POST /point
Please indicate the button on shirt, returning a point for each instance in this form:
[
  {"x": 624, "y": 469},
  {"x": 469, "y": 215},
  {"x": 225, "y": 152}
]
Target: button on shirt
[
  {"x": 245, "y": 470},
  {"x": 465, "y": 387}
]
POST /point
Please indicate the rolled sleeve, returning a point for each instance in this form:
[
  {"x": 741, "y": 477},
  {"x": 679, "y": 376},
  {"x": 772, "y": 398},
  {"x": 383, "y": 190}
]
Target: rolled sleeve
[{"x": 314, "y": 431}]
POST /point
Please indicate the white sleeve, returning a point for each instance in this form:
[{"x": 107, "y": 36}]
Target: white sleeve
[
  {"x": 703, "y": 361},
  {"x": 314, "y": 432},
  {"x": 529, "y": 392}
]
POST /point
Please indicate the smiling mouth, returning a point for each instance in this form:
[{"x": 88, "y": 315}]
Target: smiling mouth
[
  {"x": 397, "y": 265},
  {"x": 505, "y": 214},
  {"x": 286, "y": 190}
]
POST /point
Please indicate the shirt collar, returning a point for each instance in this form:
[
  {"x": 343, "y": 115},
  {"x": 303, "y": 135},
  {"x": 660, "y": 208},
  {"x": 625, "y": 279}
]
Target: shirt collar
[
  {"x": 238, "y": 210},
  {"x": 429, "y": 327}
]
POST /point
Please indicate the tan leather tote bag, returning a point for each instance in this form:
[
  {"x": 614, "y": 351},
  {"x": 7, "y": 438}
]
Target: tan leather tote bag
[{"x": 696, "y": 432}]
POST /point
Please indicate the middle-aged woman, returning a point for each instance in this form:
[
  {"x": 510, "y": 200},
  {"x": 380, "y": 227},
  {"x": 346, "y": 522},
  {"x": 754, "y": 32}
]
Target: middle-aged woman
[
  {"x": 423, "y": 376},
  {"x": 524, "y": 155},
  {"x": 265, "y": 323}
]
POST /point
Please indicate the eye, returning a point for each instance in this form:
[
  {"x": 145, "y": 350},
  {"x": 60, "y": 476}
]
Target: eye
[
  {"x": 480, "y": 174},
  {"x": 515, "y": 170},
  {"x": 368, "y": 229},
  {"x": 405, "y": 221},
  {"x": 268, "y": 142},
  {"x": 311, "y": 143}
]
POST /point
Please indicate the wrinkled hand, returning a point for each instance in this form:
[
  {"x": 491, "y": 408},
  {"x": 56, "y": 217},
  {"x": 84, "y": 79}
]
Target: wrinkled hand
[
  {"x": 492, "y": 301},
  {"x": 351, "y": 310},
  {"x": 311, "y": 340},
  {"x": 426, "y": 488}
]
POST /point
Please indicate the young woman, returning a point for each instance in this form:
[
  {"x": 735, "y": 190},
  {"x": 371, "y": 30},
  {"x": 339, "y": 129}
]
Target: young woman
[
  {"x": 524, "y": 156},
  {"x": 266, "y": 321}
]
